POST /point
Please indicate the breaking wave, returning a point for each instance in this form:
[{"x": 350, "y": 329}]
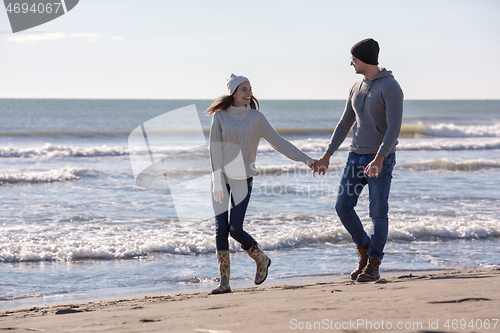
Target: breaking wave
[
  {"x": 56, "y": 175},
  {"x": 66, "y": 241}
]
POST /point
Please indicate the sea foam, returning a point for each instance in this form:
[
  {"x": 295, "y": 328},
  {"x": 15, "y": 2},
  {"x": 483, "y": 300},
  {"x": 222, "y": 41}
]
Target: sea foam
[
  {"x": 65, "y": 241},
  {"x": 460, "y": 131},
  {"x": 56, "y": 175},
  {"x": 50, "y": 151}
]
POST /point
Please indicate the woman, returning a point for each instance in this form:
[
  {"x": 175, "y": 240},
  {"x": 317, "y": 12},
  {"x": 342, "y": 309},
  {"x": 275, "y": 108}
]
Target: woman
[{"x": 237, "y": 127}]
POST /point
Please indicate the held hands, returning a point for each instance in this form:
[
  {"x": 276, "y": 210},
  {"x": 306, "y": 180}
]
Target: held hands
[
  {"x": 313, "y": 164},
  {"x": 372, "y": 169},
  {"x": 320, "y": 166}
]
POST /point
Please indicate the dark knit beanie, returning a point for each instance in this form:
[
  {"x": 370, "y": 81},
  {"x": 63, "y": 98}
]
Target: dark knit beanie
[{"x": 366, "y": 51}]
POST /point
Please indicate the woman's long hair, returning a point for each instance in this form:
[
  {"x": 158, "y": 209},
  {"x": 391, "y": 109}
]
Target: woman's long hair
[{"x": 224, "y": 102}]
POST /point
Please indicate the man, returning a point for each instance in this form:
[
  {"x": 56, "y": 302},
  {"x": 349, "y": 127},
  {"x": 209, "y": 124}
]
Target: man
[{"x": 375, "y": 108}]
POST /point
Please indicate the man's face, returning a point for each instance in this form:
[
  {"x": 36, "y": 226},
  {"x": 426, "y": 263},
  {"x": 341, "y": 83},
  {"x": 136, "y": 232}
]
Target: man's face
[{"x": 359, "y": 66}]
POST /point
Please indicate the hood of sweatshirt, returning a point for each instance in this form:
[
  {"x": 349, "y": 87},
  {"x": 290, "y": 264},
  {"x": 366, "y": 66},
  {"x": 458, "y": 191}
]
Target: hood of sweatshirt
[{"x": 383, "y": 73}]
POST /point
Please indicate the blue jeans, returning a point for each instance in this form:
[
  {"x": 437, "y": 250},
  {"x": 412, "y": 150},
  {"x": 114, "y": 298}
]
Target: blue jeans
[
  {"x": 232, "y": 223},
  {"x": 352, "y": 183}
]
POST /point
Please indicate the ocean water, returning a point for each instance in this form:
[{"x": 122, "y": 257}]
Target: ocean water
[{"x": 74, "y": 225}]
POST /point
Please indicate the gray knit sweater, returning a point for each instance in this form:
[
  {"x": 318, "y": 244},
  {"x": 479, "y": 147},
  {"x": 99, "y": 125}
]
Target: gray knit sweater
[
  {"x": 234, "y": 139},
  {"x": 375, "y": 107}
]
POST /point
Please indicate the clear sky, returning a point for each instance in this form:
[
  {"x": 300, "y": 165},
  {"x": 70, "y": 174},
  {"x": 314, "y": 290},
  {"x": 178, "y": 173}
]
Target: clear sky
[{"x": 437, "y": 49}]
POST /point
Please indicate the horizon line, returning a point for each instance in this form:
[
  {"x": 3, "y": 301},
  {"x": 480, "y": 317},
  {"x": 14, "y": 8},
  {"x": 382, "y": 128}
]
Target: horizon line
[{"x": 260, "y": 99}]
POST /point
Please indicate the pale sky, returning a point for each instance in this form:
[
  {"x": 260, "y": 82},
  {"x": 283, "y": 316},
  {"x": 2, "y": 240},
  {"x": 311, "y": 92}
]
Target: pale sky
[{"x": 186, "y": 49}]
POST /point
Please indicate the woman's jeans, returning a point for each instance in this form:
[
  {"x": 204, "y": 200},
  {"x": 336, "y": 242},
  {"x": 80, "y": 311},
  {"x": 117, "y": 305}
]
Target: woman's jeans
[
  {"x": 352, "y": 183},
  {"x": 232, "y": 223}
]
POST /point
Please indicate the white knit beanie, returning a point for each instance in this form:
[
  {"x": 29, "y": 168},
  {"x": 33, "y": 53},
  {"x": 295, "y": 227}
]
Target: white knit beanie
[{"x": 234, "y": 81}]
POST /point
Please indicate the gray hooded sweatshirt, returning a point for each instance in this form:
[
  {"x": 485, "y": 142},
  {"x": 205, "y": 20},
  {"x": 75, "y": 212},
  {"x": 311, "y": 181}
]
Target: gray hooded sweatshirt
[{"x": 375, "y": 108}]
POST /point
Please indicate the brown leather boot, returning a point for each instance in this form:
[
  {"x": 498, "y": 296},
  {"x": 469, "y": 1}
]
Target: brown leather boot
[
  {"x": 370, "y": 273},
  {"x": 363, "y": 260}
]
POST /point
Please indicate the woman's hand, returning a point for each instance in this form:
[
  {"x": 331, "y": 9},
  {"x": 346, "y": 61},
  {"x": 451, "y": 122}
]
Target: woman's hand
[
  {"x": 321, "y": 165},
  {"x": 313, "y": 164},
  {"x": 218, "y": 196}
]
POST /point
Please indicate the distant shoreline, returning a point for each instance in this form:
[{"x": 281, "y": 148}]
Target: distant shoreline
[{"x": 212, "y": 99}]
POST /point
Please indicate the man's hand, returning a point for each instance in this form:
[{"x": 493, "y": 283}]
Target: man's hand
[
  {"x": 373, "y": 168},
  {"x": 321, "y": 165}
]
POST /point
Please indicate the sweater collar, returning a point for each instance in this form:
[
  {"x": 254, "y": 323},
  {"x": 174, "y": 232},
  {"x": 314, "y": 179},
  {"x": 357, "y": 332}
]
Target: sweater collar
[
  {"x": 383, "y": 73},
  {"x": 238, "y": 110}
]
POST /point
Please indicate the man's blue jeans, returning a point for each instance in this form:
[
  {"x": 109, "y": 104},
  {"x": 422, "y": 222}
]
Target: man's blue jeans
[{"x": 352, "y": 183}]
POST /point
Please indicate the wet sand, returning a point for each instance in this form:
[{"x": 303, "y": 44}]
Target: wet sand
[{"x": 451, "y": 301}]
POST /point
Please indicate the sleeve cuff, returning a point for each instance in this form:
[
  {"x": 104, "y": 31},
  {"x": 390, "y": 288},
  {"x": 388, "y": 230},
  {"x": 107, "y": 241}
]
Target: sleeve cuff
[
  {"x": 216, "y": 181},
  {"x": 383, "y": 151}
]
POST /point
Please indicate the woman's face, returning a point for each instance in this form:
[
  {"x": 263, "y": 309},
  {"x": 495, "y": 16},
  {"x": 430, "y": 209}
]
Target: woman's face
[{"x": 243, "y": 94}]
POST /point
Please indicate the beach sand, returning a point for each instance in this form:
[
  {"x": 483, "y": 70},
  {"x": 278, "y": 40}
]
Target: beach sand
[{"x": 451, "y": 301}]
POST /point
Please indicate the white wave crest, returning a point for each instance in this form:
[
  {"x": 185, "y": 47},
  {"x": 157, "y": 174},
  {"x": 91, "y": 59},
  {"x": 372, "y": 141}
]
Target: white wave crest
[
  {"x": 56, "y": 175},
  {"x": 49, "y": 151},
  {"x": 68, "y": 241},
  {"x": 455, "y": 144},
  {"x": 63, "y": 241},
  {"x": 440, "y": 229},
  {"x": 460, "y": 131},
  {"x": 310, "y": 146}
]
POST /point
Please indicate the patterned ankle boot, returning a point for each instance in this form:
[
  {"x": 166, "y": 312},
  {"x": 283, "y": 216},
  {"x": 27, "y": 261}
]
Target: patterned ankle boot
[
  {"x": 224, "y": 269},
  {"x": 262, "y": 261}
]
